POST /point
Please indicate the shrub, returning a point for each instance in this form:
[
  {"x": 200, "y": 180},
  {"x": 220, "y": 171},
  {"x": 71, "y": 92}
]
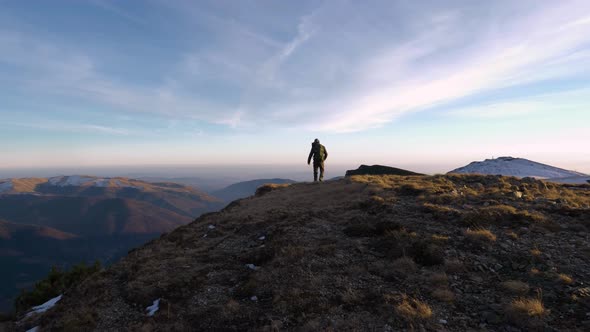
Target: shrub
[
  {"x": 404, "y": 265},
  {"x": 443, "y": 294},
  {"x": 440, "y": 278},
  {"x": 54, "y": 284}
]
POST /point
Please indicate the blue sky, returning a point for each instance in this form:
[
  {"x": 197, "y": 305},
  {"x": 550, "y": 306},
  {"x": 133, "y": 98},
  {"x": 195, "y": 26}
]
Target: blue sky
[{"x": 436, "y": 83}]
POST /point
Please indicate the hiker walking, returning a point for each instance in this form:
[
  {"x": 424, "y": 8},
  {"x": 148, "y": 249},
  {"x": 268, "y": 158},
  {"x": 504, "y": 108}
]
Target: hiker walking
[{"x": 319, "y": 154}]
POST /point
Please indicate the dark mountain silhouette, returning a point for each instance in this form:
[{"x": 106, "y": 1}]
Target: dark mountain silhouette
[
  {"x": 366, "y": 253},
  {"x": 246, "y": 188},
  {"x": 379, "y": 170}
]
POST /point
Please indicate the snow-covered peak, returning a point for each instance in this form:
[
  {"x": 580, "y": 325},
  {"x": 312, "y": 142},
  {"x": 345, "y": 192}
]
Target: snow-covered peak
[
  {"x": 6, "y": 185},
  {"x": 518, "y": 167},
  {"x": 73, "y": 180},
  {"x": 84, "y": 180}
]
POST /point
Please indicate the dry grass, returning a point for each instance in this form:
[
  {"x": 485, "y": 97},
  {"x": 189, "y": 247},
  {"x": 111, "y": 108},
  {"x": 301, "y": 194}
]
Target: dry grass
[
  {"x": 512, "y": 235},
  {"x": 536, "y": 252},
  {"x": 480, "y": 235},
  {"x": 534, "y": 272},
  {"x": 439, "y": 278},
  {"x": 443, "y": 294},
  {"x": 412, "y": 310},
  {"x": 404, "y": 265},
  {"x": 440, "y": 238},
  {"x": 564, "y": 278},
  {"x": 523, "y": 308},
  {"x": 515, "y": 287}
]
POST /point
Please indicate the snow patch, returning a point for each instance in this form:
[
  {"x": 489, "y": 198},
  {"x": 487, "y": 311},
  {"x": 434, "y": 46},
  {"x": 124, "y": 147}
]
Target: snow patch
[
  {"x": 153, "y": 308},
  {"x": 211, "y": 227},
  {"x": 6, "y": 186},
  {"x": 73, "y": 180},
  {"x": 34, "y": 329},
  {"x": 252, "y": 267},
  {"x": 45, "y": 306},
  {"x": 254, "y": 298},
  {"x": 122, "y": 185},
  {"x": 262, "y": 238},
  {"x": 101, "y": 182}
]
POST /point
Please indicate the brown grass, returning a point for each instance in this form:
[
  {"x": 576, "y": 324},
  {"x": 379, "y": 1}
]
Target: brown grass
[
  {"x": 515, "y": 287},
  {"x": 523, "y": 308},
  {"x": 512, "y": 235},
  {"x": 439, "y": 278},
  {"x": 536, "y": 252},
  {"x": 412, "y": 310},
  {"x": 443, "y": 294},
  {"x": 480, "y": 235},
  {"x": 404, "y": 265},
  {"x": 440, "y": 238},
  {"x": 564, "y": 278}
]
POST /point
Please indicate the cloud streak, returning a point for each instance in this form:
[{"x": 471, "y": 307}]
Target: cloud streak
[{"x": 336, "y": 68}]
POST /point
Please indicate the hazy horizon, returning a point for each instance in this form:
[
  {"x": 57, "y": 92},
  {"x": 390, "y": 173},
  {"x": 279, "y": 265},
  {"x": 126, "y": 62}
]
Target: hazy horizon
[
  {"x": 427, "y": 85},
  {"x": 243, "y": 172}
]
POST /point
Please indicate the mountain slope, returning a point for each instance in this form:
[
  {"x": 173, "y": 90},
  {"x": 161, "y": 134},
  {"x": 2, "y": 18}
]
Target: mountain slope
[
  {"x": 9, "y": 231},
  {"x": 65, "y": 220},
  {"x": 518, "y": 167},
  {"x": 245, "y": 189},
  {"x": 363, "y": 253},
  {"x": 90, "y": 216}
]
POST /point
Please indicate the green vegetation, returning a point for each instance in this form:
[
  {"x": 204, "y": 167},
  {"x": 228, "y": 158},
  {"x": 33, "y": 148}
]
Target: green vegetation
[{"x": 55, "y": 283}]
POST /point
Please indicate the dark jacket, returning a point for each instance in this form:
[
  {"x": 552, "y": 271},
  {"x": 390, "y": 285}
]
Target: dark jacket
[{"x": 318, "y": 153}]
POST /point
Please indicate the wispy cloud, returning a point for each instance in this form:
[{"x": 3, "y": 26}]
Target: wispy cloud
[
  {"x": 69, "y": 127},
  {"x": 341, "y": 67}
]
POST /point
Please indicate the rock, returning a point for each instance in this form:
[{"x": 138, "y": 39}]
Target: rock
[
  {"x": 379, "y": 170},
  {"x": 491, "y": 317}
]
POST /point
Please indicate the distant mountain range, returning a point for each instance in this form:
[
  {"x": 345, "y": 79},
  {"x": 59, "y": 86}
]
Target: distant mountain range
[
  {"x": 520, "y": 167},
  {"x": 67, "y": 219}
]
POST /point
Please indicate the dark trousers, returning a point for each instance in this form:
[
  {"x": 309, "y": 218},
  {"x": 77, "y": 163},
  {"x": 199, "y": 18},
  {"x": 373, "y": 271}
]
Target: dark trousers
[{"x": 316, "y": 165}]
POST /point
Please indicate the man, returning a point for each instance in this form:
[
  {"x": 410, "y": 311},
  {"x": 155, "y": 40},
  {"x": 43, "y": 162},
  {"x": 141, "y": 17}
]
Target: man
[{"x": 319, "y": 154}]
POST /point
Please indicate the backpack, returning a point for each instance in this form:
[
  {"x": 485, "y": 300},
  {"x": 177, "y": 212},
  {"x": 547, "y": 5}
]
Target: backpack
[{"x": 319, "y": 152}]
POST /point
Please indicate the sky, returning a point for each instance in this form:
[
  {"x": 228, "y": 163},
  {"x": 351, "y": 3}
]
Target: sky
[{"x": 425, "y": 84}]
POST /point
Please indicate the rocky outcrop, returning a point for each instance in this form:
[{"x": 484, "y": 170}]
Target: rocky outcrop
[{"x": 379, "y": 170}]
